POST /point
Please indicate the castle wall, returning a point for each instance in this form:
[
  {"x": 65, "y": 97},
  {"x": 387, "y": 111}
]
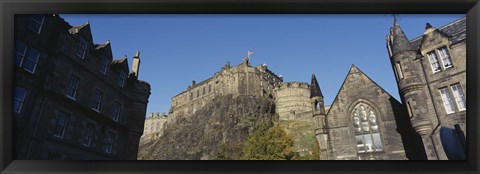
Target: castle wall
[
  {"x": 242, "y": 79},
  {"x": 154, "y": 125},
  {"x": 292, "y": 100}
]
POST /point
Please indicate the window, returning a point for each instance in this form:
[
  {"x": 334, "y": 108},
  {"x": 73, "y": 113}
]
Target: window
[
  {"x": 409, "y": 108},
  {"x": 88, "y": 133},
  {"x": 121, "y": 78},
  {"x": 103, "y": 64},
  {"x": 447, "y": 100},
  {"x": 19, "y": 98},
  {"x": 433, "y": 62},
  {"x": 198, "y": 93},
  {"x": 399, "y": 70},
  {"x": 72, "y": 86},
  {"x": 459, "y": 96},
  {"x": 81, "y": 48},
  {"x": 26, "y": 57},
  {"x": 444, "y": 56},
  {"x": 209, "y": 88},
  {"x": 35, "y": 23},
  {"x": 203, "y": 91},
  {"x": 60, "y": 124},
  {"x": 97, "y": 100},
  {"x": 191, "y": 96},
  {"x": 109, "y": 141},
  {"x": 116, "y": 111},
  {"x": 367, "y": 135}
]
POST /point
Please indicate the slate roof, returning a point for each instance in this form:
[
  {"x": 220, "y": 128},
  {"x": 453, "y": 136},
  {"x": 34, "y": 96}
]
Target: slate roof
[{"x": 455, "y": 30}]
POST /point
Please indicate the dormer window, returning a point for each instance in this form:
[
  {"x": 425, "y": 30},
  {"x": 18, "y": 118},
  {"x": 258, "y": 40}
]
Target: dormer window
[
  {"x": 443, "y": 54},
  {"x": 35, "y": 23},
  {"x": 81, "y": 48},
  {"x": 103, "y": 64},
  {"x": 121, "y": 78}
]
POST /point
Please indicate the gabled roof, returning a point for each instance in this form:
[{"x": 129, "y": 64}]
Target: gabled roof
[
  {"x": 121, "y": 64},
  {"x": 455, "y": 30},
  {"x": 76, "y": 29},
  {"x": 101, "y": 46},
  {"x": 353, "y": 70}
]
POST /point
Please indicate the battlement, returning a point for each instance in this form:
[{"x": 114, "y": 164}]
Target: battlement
[{"x": 285, "y": 85}]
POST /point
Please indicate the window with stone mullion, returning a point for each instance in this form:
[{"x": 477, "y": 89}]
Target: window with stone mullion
[{"x": 366, "y": 130}]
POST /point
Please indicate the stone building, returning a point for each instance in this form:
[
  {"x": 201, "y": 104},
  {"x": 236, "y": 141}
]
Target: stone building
[
  {"x": 72, "y": 100},
  {"x": 364, "y": 122},
  {"x": 154, "y": 125},
  {"x": 431, "y": 75},
  {"x": 242, "y": 79}
]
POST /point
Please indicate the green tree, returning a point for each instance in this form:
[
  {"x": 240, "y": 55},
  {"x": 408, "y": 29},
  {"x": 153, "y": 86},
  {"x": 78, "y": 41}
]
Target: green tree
[{"x": 269, "y": 144}]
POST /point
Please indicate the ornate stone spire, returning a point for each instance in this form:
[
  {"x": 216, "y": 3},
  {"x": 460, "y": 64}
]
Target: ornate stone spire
[{"x": 315, "y": 88}]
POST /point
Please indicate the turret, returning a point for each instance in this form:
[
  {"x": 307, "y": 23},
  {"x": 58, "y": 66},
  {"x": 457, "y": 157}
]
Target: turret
[
  {"x": 136, "y": 64},
  {"x": 321, "y": 126}
]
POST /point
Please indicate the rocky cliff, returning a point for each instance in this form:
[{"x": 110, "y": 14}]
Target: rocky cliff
[{"x": 216, "y": 131}]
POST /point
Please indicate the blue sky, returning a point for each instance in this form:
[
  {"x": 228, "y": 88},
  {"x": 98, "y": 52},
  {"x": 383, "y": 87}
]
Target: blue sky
[{"x": 176, "y": 49}]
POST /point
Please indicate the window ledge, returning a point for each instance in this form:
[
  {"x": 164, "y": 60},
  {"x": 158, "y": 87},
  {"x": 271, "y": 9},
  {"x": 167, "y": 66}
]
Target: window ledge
[
  {"x": 96, "y": 110},
  {"x": 70, "y": 97}
]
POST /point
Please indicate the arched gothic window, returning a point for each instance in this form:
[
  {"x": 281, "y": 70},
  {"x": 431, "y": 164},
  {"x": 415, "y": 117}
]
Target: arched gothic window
[{"x": 366, "y": 130}]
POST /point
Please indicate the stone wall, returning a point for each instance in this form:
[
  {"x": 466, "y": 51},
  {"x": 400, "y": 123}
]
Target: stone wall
[{"x": 292, "y": 99}]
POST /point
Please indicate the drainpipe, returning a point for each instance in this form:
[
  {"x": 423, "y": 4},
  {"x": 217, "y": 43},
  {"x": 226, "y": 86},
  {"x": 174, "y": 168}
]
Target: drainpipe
[
  {"x": 36, "y": 126},
  {"x": 434, "y": 109}
]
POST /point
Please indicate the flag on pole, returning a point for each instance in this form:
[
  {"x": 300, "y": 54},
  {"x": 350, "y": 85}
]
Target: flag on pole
[{"x": 249, "y": 53}]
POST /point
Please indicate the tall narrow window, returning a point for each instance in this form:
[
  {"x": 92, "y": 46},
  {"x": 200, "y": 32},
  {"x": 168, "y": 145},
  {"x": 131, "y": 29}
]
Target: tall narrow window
[
  {"x": 445, "y": 57},
  {"x": 109, "y": 141},
  {"x": 18, "y": 98},
  {"x": 121, "y": 78},
  {"x": 35, "y": 23},
  {"x": 88, "y": 133},
  {"x": 117, "y": 106},
  {"x": 26, "y": 57},
  {"x": 399, "y": 70},
  {"x": 198, "y": 92},
  {"x": 191, "y": 96},
  {"x": 447, "y": 100},
  {"x": 72, "y": 86},
  {"x": 20, "y": 52},
  {"x": 459, "y": 96},
  {"x": 209, "y": 88},
  {"x": 409, "y": 108},
  {"x": 103, "y": 64},
  {"x": 97, "y": 100},
  {"x": 203, "y": 91},
  {"x": 433, "y": 62},
  {"x": 60, "y": 124},
  {"x": 367, "y": 135},
  {"x": 81, "y": 48}
]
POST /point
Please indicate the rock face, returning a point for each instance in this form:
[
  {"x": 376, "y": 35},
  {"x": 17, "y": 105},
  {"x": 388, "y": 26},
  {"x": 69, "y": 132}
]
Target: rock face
[{"x": 223, "y": 123}]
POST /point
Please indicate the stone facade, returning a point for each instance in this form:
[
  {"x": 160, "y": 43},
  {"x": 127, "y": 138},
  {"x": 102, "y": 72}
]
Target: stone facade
[
  {"x": 431, "y": 75},
  {"x": 73, "y": 101},
  {"x": 154, "y": 125}
]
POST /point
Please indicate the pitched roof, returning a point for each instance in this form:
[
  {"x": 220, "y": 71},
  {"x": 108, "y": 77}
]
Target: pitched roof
[
  {"x": 118, "y": 61},
  {"x": 76, "y": 29},
  {"x": 455, "y": 30},
  {"x": 315, "y": 88},
  {"x": 353, "y": 70}
]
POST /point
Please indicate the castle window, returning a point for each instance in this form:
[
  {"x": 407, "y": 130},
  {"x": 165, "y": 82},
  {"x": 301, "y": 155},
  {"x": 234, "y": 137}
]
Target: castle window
[
  {"x": 26, "y": 57},
  {"x": 81, "y": 48},
  {"x": 209, "y": 88},
  {"x": 459, "y": 96},
  {"x": 60, "y": 124},
  {"x": 103, "y": 64},
  {"x": 72, "y": 86},
  {"x": 121, "y": 78},
  {"x": 203, "y": 91},
  {"x": 191, "y": 96},
  {"x": 433, "y": 62},
  {"x": 35, "y": 23},
  {"x": 117, "y": 106},
  {"x": 88, "y": 133},
  {"x": 18, "y": 98},
  {"x": 445, "y": 57},
  {"x": 109, "y": 141},
  {"x": 367, "y": 135},
  {"x": 399, "y": 70},
  {"x": 447, "y": 100},
  {"x": 198, "y": 92},
  {"x": 97, "y": 100}
]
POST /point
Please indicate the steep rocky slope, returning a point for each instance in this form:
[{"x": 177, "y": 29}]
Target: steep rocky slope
[{"x": 216, "y": 131}]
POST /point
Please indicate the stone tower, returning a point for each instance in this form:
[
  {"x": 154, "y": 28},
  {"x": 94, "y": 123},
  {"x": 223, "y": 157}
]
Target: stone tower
[
  {"x": 412, "y": 87},
  {"x": 321, "y": 130}
]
